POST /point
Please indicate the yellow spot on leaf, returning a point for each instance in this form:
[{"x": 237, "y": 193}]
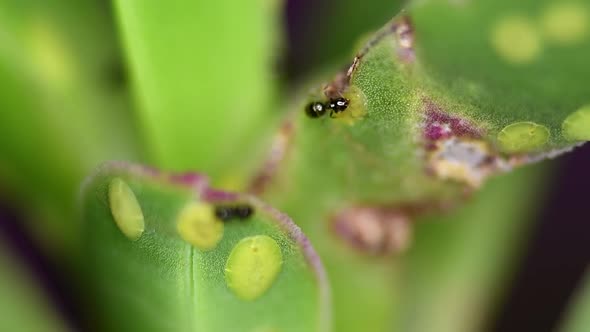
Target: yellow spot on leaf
[
  {"x": 253, "y": 265},
  {"x": 523, "y": 137},
  {"x": 125, "y": 209},
  {"x": 198, "y": 225},
  {"x": 576, "y": 127},
  {"x": 565, "y": 23},
  {"x": 516, "y": 40}
]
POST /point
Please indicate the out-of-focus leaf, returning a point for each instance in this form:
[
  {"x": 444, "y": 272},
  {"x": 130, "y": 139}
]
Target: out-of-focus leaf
[
  {"x": 456, "y": 271},
  {"x": 24, "y": 305},
  {"x": 63, "y": 111},
  {"x": 203, "y": 77},
  {"x": 525, "y": 62},
  {"x": 364, "y": 288},
  {"x": 422, "y": 130},
  {"x": 145, "y": 276},
  {"x": 577, "y": 319}
]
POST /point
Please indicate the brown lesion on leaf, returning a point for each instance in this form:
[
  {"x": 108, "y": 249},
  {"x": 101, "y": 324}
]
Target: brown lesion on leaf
[
  {"x": 440, "y": 125},
  {"x": 373, "y": 230},
  {"x": 383, "y": 229},
  {"x": 337, "y": 86},
  {"x": 404, "y": 35},
  {"x": 455, "y": 149},
  {"x": 278, "y": 150},
  {"x": 401, "y": 29},
  {"x": 465, "y": 160}
]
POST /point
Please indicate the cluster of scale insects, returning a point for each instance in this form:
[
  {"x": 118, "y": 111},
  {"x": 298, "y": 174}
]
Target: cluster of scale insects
[{"x": 318, "y": 109}]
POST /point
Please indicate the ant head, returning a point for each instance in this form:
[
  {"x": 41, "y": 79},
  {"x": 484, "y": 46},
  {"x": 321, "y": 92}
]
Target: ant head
[{"x": 315, "y": 109}]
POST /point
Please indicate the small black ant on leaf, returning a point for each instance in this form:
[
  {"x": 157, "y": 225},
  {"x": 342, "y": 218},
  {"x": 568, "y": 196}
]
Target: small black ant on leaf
[
  {"x": 227, "y": 213},
  {"x": 317, "y": 109}
]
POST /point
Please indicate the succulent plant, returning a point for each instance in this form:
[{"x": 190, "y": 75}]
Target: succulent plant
[
  {"x": 173, "y": 242},
  {"x": 444, "y": 98}
]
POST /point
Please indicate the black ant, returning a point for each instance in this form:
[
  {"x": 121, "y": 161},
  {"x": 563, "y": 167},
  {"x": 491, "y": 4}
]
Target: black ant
[
  {"x": 226, "y": 213},
  {"x": 317, "y": 109}
]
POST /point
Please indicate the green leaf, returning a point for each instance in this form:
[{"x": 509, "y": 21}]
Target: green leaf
[
  {"x": 525, "y": 61},
  {"x": 577, "y": 317},
  {"x": 458, "y": 269},
  {"x": 24, "y": 305},
  {"x": 365, "y": 288},
  {"x": 415, "y": 140},
  {"x": 61, "y": 114},
  {"x": 203, "y": 79},
  {"x": 430, "y": 114},
  {"x": 159, "y": 258}
]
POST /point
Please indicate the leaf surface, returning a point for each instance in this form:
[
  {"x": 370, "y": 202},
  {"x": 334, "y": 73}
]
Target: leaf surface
[{"x": 159, "y": 280}]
